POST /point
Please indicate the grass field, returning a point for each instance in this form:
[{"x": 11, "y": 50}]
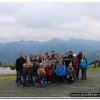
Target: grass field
[
  {"x": 7, "y": 77},
  {"x": 92, "y": 68},
  {"x": 13, "y": 76}
]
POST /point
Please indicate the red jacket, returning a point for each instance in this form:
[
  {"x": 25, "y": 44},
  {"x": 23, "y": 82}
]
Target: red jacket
[
  {"x": 75, "y": 63},
  {"x": 48, "y": 71}
]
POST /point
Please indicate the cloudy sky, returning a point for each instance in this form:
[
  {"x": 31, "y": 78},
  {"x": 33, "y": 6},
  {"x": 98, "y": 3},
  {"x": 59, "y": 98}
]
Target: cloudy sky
[{"x": 44, "y": 21}]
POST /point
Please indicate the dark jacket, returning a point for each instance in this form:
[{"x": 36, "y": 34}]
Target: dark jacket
[
  {"x": 66, "y": 61},
  {"x": 70, "y": 57},
  {"x": 19, "y": 64},
  {"x": 39, "y": 60},
  {"x": 35, "y": 67},
  {"x": 79, "y": 56},
  {"x": 30, "y": 71},
  {"x": 53, "y": 69},
  {"x": 24, "y": 72}
]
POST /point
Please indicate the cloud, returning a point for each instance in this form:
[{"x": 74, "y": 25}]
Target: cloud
[
  {"x": 44, "y": 21},
  {"x": 6, "y": 20}
]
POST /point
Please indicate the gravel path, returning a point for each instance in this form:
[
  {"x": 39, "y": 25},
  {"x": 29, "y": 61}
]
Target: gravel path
[{"x": 8, "y": 88}]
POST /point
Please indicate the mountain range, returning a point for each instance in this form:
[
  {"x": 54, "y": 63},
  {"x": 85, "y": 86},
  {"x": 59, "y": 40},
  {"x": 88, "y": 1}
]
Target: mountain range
[{"x": 9, "y": 51}]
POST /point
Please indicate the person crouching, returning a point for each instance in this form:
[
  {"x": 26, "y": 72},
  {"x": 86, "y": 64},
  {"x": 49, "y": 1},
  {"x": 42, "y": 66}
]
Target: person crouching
[{"x": 71, "y": 73}]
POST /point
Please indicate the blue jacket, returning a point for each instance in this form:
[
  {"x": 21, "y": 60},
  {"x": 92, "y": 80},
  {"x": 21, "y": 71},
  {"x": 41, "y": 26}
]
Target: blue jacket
[
  {"x": 83, "y": 63},
  {"x": 60, "y": 70}
]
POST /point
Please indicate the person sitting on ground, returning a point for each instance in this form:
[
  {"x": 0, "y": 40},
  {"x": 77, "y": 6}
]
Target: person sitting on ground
[{"x": 71, "y": 73}]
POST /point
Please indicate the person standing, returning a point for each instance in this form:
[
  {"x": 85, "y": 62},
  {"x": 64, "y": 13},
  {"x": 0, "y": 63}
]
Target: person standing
[
  {"x": 83, "y": 66},
  {"x": 66, "y": 60},
  {"x": 48, "y": 73},
  {"x": 70, "y": 56},
  {"x": 53, "y": 72},
  {"x": 19, "y": 65},
  {"x": 60, "y": 71},
  {"x": 75, "y": 63},
  {"x": 24, "y": 75},
  {"x": 79, "y": 56}
]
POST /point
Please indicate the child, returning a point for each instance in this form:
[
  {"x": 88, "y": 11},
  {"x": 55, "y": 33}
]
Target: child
[
  {"x": 53, "y": 72},
  {"x": 83, "y": 66},
  {"x": 24, "y": 75},
  {"x": 60, "y": 71},
  {"x": 35, "y": 67},
  {"x": 41, "y": 72},
  {"x": 71, "y": 73},
  {"x": 48, "y": 73},
  {"x": 30, "y": 75}
]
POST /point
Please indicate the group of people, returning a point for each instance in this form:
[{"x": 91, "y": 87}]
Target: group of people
[{"x": 50, "y": 68}]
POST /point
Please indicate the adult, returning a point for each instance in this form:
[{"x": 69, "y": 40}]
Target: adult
[
  {"x": 30, "y": 60},
  {"x": 79, "y": 56},
  {"x": 75, "y": 63},
  {"x": 19, "y": 65},
  {"x": 66, "y": 60},
  {"x": 70, "y": 56},
  {"x": 83, "y": 66},
  {"x": 70, "y": 73}
]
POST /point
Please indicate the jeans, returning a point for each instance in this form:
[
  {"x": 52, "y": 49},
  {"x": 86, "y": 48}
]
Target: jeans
[
  {"x": 71, "y": 79},
  {"x": 24, "y": 77},
  {"x": 48, "y": 79},
  {"x": 60, "y": 79},
  {"x": 76, "y": 70},
  {"x": 42, "y": 82},
  {"x": 53, "y": 78},
  {"x": 83, "y": 73},
  {"x": 18, "y": 77},
  {"x": 30, "y": 80},
  {"x": 77, "y": 75}
]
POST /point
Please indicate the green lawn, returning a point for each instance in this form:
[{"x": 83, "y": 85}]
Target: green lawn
[
  {"x": 92, "y": 68},
  {"x": 7, "y": 77}
]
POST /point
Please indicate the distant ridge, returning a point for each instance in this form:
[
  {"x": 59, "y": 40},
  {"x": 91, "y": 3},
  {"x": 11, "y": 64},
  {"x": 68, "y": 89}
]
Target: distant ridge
[{"x": 9, "y": 51}]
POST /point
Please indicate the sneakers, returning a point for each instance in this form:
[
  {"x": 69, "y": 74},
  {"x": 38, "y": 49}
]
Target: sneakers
[
  {"x": 18, "y": 83},
  {"x": 49, "y": 82},
  {"x": 46, "y": 83}
]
